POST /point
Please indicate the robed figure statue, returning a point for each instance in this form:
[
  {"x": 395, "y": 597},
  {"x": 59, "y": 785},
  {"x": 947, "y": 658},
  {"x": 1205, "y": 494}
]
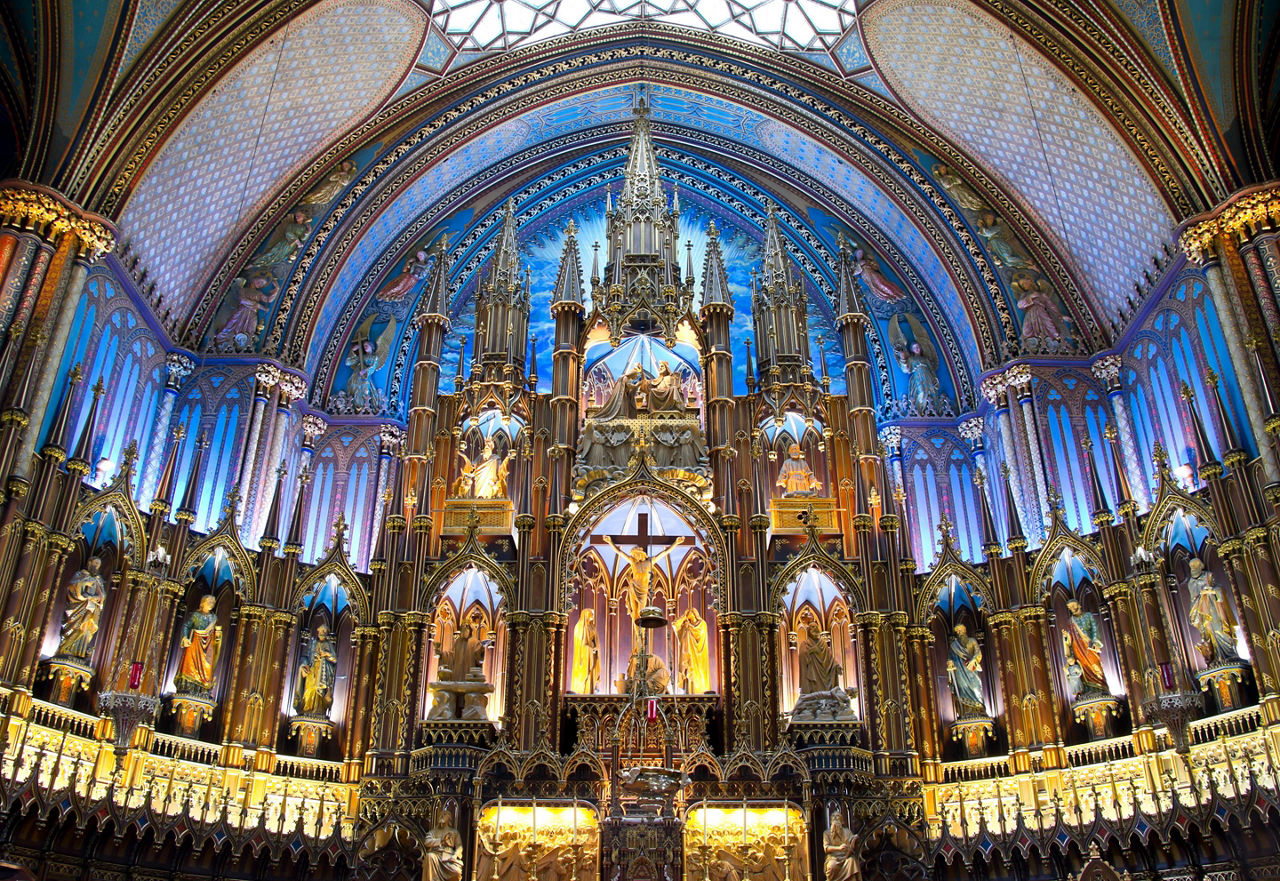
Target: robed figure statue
[
  {"x": 964, "y": 669},
  {"x": 201, "y": 642},
  {"x": 819, "y": 671},
  {"x": 86, "y": 594},
  {"x": 314, "y": 693},
  {"x": 586, "y": 654},
  {"x": 839, "y": 847},
  {"x": 1211, "y": 614},
  {"x": 442, "y": 851},
  {"x": 1082, "y": 647},
  {"x": 693, "y": 672}
]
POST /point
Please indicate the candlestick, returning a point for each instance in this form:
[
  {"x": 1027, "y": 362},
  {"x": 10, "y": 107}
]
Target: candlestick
[
  {"x": 535, "y": 819},
  {"x": 744, "y": 824}
]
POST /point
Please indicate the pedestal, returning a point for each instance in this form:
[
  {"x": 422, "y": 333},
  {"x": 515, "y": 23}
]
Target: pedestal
[
  {"x": 825, "y": 706},
  {"x": 1098, "y": 713},
  {"x": 467, "y": 701},
  {"x": 973, "y": 733},
  {"x": 310, "y": 731},
  {"x": 68, "y": 675},
  {"x": 1223, "y": 682},
  {"x": 787, "y": 516},
  {"x": 491, "y": 516},
  {"x": 192, "y": 711}
]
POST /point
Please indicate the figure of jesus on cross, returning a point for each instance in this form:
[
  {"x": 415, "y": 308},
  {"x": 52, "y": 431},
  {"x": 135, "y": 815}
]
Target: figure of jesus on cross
[{"x": 641, "y": 562}]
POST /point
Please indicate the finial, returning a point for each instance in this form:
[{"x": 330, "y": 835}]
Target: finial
[
  {"x": 75, "y": 375},
  {"x": 1211, "y": 377},
  {"x": 282, "y": 469},
  {"x": 1187, "y": 394},
  {"x": 99, "y": 389}
]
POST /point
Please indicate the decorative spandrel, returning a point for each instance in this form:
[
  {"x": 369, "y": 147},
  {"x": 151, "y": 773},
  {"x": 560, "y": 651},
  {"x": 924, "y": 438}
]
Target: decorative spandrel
[{"x": 644, "y": 591}]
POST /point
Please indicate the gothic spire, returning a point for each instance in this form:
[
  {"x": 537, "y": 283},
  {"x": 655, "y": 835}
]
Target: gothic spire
[
  {"x": 773, "y": 271},
  {"x": 715, "y": 279},
  {"x": 642, "y": 184},
  {"x": 1016, "y": 536},
  {"x": 1224, "y": 416},
  {"x": 1204, "y": 448},
  {"x": 58, "y": 432},
  {"x": 1101, "y": 510},
  {"x": 569, "y": 278},
  {"x": 188, "y": 510},
  {"x": 505, "y": 275},
  {"x": 434, "y": 303},
  {"x": 847, "y": 299},
  {"x": 1124, "y": 492},
  {"x": 84, "y": 446},
  {"x": 271, "y": 529},
  {"x": 990, "y": 538}
]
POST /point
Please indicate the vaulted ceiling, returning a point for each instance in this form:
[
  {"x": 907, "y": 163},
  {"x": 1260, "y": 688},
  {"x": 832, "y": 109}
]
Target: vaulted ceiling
[{"x": 960, "y": 142}]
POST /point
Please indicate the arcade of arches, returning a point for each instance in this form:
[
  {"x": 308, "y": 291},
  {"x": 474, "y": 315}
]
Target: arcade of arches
[{"x": 780, "y": 439}]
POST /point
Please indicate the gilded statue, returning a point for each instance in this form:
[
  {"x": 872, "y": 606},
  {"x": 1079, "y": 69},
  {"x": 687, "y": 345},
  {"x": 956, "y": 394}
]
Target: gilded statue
[
  {"x": 328, "y": 190},
  {"x": 314, "y": 693},
  {"x": 86, "y": 595},
  {"x": 586, "y": 654},
  {"x": 819, "y": 671},
  {"x": 964, "y": 669},
  {"x": 489, "y": 472},
  {"x": 442, "y": 851},
  {"x": 1082, "y": 646},
  {"x": 693, "y": 672},
  {"x": 839, "y": 847},
  {"x": 955, "y": 185},
  {"x": 201, "y": 642},
  {"x": 795, "y": 477},
  {"x": 1211, "y": 614}
]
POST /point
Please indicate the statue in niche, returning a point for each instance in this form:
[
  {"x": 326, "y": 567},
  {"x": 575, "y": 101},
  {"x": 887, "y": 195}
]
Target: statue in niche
[
  {"x": 919, "y": 360},
  {"x": 257, "y": 291},
  {"x": 288, "y": 241},
  {"x": 465, "y": 658},
  {"x": 365, "y": 357},
  {"x": 488, "y": 475},
  {"x": 693, "y": 672},
  {"x": 868, "y": 269},
  {"x": 1211, "y": 614},
  {"x": 795, "y": 478},
  {"x": 335, "y": 183},
  {"x": 586, "y": 654},
  {"x": 1082, "y": 646},
  {"x": 442, "y": 851},
  {"x": 1041, "y": 318},
  {"x": 964, "y": 668},
  {"x": 201, "y": 642},
  {"x": 314, "y": 693},
  {"x": 1002, "y": 250},
  {"x": 819, "y": 671},
  {"x": 460, "y": 677},
  {"x": 656, "y": 678},
  {"x": 86, "y": 595},
  {"x": 664, "y": 395},
  {"x": 965, "y": 196},
  {"x": 839, "y": 847},
  {"x": 414, "y": 273}
]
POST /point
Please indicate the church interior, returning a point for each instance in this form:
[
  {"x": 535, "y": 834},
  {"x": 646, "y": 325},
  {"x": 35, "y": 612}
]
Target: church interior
[{"x": 640, "y": 440}]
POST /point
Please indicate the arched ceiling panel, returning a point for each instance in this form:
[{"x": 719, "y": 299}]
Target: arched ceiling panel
[
  {"x": 799, "y": 155},
  {"x": 258, "y": 127},
  {"x": 1002, "y": 102}
]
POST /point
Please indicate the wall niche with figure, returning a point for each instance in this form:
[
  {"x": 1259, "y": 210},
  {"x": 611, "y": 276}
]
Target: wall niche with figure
[
  {"x": 642, "y": 587},
  {"x": 318, "y": 689}
]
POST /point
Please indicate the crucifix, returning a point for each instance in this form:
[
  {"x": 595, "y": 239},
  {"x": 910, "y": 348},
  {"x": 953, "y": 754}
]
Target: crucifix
[{"x": 641, "y": 561}]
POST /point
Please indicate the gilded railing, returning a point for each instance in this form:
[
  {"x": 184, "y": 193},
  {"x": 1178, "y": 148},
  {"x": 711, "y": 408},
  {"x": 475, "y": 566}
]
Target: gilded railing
[{"x": 61, "y": 756}]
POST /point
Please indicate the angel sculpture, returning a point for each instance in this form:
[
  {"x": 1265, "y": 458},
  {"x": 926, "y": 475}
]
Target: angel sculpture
[
  {"x": 868, "y": 269},
  {"x": 919, "y": 360},
  {"x": 365, "y": 357}
]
